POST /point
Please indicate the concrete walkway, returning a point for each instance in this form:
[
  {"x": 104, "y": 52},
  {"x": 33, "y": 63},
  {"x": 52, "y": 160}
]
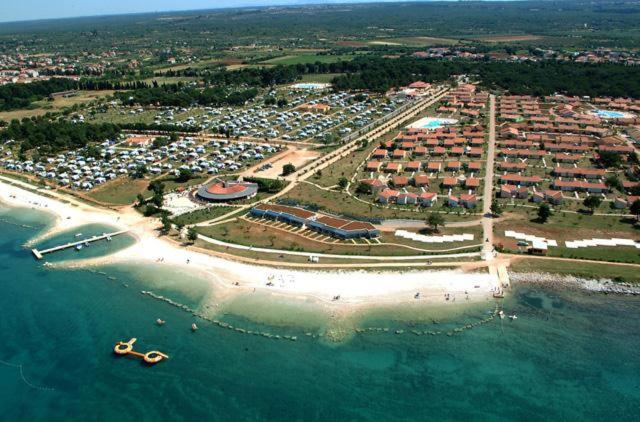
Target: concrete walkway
[{"x": 487, "y": 218}]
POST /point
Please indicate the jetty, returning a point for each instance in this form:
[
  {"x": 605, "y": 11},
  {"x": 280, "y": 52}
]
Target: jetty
[
  {"x": 123, "y": 348},
  {"x": 40, "y": 254}
]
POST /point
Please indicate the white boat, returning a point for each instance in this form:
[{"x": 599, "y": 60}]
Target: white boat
[
  {"x": 160, "y": 321},
  {"x": 78, "y": 234},
  {"x": 194, "y": 327},
  {"x": 78, "y": 247},
  {"x": 501, "y": 314},
  {"x": 512, "y": 317}
]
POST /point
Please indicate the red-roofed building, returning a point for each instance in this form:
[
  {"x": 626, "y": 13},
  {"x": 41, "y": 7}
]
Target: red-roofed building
[
  {"x": 421, "y": 180},
  {"x": 393, "y": 168},
  {"x": 449, "y": 182},
  {"x": 407, "y": 198},
  {"x": 388, "y": 196},
  {"x": 472, "y": 183},
  {"x": 399, "y": 181},
  {"x": 427, "y": 199}
]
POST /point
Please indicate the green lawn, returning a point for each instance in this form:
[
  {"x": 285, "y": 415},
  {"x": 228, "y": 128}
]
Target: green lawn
[
  {"x": 626, "y": 254},
  {"x": 257, "y": 235},
  {"x": 308, "y": 58},
  {"x": 342, "y": 204},
  {"x": 122, "y": 191},
  {"x": 199, "y": 216}
]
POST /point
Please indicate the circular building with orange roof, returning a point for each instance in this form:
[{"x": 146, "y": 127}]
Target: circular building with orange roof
[{"x": 223, "y": 191}]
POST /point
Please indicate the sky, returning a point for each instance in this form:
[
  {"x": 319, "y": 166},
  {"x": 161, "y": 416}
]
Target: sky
[{"x": 21, "y": 10}]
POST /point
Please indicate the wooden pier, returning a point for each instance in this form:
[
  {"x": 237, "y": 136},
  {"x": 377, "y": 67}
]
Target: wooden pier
[{"x": 40, "y": 254}]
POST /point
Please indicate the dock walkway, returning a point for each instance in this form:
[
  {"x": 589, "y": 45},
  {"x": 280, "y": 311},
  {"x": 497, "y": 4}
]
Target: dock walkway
[{"x": 40, "y": 254}]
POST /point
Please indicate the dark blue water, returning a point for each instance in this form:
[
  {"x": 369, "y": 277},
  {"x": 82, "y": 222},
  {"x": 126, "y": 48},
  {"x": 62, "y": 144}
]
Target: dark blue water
[{"x": 569, "y": 356}]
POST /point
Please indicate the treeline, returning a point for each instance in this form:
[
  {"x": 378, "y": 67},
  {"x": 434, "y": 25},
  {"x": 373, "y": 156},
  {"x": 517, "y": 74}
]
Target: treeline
[
  {"x": 261, "y": 76},
  {"x": 15, "y": 96},
  {"x": 180, "y": 96},
  {"x": 527, "y": 78},
  {"x": 52, "y": 137}
]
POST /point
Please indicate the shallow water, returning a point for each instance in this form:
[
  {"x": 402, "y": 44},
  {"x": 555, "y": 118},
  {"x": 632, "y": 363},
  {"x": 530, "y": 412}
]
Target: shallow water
[{"x": 568, "y": 356}]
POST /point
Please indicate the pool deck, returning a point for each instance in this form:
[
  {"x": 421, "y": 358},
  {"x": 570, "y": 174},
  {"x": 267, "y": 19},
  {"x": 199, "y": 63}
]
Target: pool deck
[{"x": 431, "y": 123}]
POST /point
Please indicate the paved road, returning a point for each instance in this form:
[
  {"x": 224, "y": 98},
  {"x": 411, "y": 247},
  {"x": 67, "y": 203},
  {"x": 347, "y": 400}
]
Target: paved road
[{"x": 487, "y": 220}]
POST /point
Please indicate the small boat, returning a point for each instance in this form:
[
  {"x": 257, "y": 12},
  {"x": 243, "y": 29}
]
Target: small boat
[
  {"x": 194, "y": 327},
  {"x": 498, "y": 295},
  {"x": 86, "y": 244},
  {"x": 78, "y": 247},
  {"x": 512, "y": 317},
  {"x": 108, "y": 238},
  {"x": 501, "y": 314},
  {"x": 78, "y": 234},
  {"x": 160, "y": 321}
]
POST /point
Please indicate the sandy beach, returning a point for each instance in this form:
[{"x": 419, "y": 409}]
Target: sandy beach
[{"x": 355, "y": 288}]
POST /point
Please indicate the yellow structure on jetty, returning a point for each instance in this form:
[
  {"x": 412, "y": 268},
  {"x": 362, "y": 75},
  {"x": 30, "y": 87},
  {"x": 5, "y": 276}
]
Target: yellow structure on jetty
[{"x": 126, "y": 348}]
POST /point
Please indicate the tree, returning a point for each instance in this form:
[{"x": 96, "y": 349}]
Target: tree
[
  {"x": 609, "y": 159},
  {"x": 166, "y": 224},
  {"x": 192, "y": 235},
  {"x": 496, "y": 209},
  {"x": 343, "y": 183},
  {"x": 287, "y": 169},
  {"x": 184, "y": 175},
  {"x": 363, "y": 188},
  {"x": 592, "y": 202},
  {"x": 140, "y": 200},
  {"x": 614, "y": 182},
  {"x": 434, "y": 220},
  {"x": 156, "y": 186},
  {"x": 157, "y": 199},
  {"x": 544, "y": 212},
  {"x": 635, "y": 209}
]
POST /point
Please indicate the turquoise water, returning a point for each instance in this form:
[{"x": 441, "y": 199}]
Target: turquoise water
[
  {"x": 568, "y": 356},
  {"x": 433, "y": 124},
  {"x": 436, "y": 123},
  {"x": 609, "y": 114}
]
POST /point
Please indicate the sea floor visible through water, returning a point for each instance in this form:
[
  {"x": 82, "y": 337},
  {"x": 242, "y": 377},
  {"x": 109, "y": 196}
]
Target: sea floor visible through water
[{"x": 569, "y": 355}]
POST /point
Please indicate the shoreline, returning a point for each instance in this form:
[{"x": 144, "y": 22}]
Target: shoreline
[
  {"x": 600, "y": 285},
  {"x": 347, "y": 290}
]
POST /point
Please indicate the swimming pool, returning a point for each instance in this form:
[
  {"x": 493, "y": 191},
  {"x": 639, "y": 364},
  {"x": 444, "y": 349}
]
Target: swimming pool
[
  {"x": 610, "y": 114},
  {"x": 431, "y": 123},
  {"x": 310, "y": 85}
]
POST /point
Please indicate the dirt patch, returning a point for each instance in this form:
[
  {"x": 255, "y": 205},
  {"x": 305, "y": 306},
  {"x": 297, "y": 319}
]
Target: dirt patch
[
  {"x": 355, "y": 44},
  {"x": 297, "y": 156}
]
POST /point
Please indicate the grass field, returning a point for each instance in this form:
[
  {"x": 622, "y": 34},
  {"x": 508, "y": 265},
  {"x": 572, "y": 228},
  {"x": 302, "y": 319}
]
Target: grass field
[
  {"x": 507, "y": 38},
  {"x": 42, "y": 107},
  {"x": 414, "y": 41},
  {"x": 568, "y": 226},
  {"x": 342, "y": 204},
  {"x": 308, "y": 58},
  {"x": 122, "y": 191},
  {"x": 257, "y": 235},
  {"x": 199, "y": 216},
  {"x": 580, "y": 269}
]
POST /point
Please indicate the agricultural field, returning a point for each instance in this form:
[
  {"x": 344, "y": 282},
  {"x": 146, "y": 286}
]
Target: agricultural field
[{"x": 308, "y": 58}]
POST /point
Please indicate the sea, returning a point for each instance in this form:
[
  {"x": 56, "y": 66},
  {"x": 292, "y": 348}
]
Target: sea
[{"x": 570, "y": 355}]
